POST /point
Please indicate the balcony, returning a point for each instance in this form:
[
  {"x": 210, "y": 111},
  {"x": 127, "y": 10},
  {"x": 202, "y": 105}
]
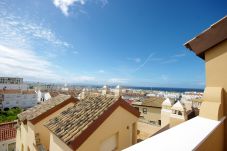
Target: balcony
[{"x": 198, "y": 133}]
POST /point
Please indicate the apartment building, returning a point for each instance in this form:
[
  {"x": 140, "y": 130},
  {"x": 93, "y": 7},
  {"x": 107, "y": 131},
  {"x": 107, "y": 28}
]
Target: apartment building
[
  {"x": 64, "y": 123},
  {"x": 150, "y": 109},
  {"x": 17, "y": 98},
  {"x": 12, "y": 83}
]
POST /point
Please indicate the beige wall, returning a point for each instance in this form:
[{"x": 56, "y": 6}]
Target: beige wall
[
  {"x": 175, "y": 120},
  {"x": 216, "y": 74},
  {"x": 57, "y": 145},
  {"x": 26, "y": 133},
  {"x": 214, "y": 141},
  {"x": 116, "y": 123},
  {"x": 44, "y": 133},
  {"x": 153, "y": 114},
  {"x": 165, "y": 117}
]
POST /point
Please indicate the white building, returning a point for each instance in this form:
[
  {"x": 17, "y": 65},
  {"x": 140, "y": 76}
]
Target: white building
[
  {"x": 105, "y": 90},
  {"x": 117, "y": 91},
  {"x": 166, "y": 112},
  {"x": 12, "y": 83},
  {"x": 43, "y": 96},
  {"x": 18, "y": 98}
]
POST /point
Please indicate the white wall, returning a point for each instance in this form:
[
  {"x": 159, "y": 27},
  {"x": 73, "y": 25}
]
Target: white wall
[
  {"x": 19, "y": 100},
  {"x": 4, "y": 144}
]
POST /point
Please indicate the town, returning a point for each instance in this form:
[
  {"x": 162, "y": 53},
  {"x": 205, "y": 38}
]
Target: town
[
  {"x": 157, "y": 109},
  {"x": 113, "y": 75}
]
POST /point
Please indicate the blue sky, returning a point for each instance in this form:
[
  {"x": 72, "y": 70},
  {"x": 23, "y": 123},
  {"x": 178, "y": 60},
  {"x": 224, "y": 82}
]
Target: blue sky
[{"x": 126, "y": 42}]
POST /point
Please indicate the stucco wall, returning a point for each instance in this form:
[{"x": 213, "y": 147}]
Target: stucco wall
[
  {"x": 165, "y": 117},
  {"x": 153, "y": 114},
  {"x": 26, "y": 133},
  {"x": 175, "y": 121},
  {"x": 216, "y": 73},
  {"x": 44, "y": 133},
  {"x": 4, "y": 144},
  {"x": 117, "y": 122},
  {"x": 214, "y": 141}
]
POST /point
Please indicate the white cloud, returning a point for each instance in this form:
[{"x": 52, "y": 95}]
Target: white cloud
[
  {"x": 83, "y": 78},
  {"x": 25, "y": 63},
  {"x": 64, "y": 5},
  {"x": 22, "y": 32},
  {"x": 145, "y": 62},
  {"x": 117, "y": 81}
]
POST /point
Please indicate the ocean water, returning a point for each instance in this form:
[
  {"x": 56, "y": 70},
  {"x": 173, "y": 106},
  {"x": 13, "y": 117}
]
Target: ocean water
[{"x": 181, "y": 90}]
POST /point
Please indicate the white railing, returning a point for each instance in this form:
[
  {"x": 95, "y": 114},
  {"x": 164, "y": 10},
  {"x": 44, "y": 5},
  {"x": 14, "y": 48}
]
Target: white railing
[{"x": 187, "y": 136}]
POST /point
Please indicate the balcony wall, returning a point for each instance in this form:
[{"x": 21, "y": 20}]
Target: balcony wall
[{"x": 199, "y": 133}]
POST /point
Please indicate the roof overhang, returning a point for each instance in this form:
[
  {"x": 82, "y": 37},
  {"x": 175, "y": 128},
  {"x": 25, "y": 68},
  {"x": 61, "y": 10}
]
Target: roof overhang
[{"x": 209, "y": 38}]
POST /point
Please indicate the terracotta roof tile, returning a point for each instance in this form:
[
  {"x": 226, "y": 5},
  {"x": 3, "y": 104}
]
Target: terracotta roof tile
[
  {"x": 73, "y": 121},
  {"x": 42, "y": 108}
]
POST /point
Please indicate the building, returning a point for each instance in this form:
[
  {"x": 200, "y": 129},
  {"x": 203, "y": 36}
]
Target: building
[
  {"x": 17, "y": 98},
  {"x": 67, "y": 124},
  {"x": 31, "y": 133},
  {"x": 12, "y": 83},
  {"x": 105, "y": 90},
  {"x": 8, "y": 136},
  {"x": 178, "y": 114},
  {"x": 208, "y": 131},
  {"x": 43, "y": 96},
  {"x": 150, "y": 109},
  {"x": 166, "y": 112},
  {"x": 10, "y": 80}
]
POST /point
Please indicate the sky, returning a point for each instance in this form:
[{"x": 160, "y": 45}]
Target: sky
[{"x": 126, "y": 42}]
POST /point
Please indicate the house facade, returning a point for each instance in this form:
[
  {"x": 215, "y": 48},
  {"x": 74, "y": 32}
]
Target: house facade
[
  {"x": 18, "y": 98},
  {"x": 93, "y": 123}
]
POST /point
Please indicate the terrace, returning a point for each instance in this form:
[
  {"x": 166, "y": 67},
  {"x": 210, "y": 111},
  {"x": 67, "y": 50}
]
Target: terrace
[{"x": 208, "y": 131}]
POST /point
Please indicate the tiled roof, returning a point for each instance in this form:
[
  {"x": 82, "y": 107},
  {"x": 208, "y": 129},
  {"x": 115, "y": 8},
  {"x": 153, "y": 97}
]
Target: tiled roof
[
  {"x": 42, "y": 108},
  {"x": 7, "y": 131},
  {"x": 74, "y": 125},
  {"x": 153, "y": 102},
  {"x": 150, "y": 102},
  {"x": 71, "y": 122}
]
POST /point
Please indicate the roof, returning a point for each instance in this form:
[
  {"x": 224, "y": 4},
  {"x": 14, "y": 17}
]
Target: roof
[
  {"x": 14, "y": 91},
  {"x": 7, "y": 131},
  {"x": 42, "y": 110},
  {"x": 178, "y": 106},
  {"x": 150, "y": 102},
  {"x": 167, "y": 102},
  {"x": 74, "y": 125},
  {"x": 212, "y": 36}
]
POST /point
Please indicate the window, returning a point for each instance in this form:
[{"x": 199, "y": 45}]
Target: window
[
  {"x": 179, "y": 113},
  {"x": 12, "y": 147},
  {"x": 110, "y": 144},
  {"x": 145, "y": 110}
]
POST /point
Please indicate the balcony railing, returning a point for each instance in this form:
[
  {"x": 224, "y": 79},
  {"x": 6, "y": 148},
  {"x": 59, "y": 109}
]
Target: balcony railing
[{"x": 190, "y": 135}]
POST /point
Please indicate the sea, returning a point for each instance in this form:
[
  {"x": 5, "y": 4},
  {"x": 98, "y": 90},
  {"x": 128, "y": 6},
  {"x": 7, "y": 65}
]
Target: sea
[
  {"x": 167, "y": 89},
  {"x": 180, "y": 90}
]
